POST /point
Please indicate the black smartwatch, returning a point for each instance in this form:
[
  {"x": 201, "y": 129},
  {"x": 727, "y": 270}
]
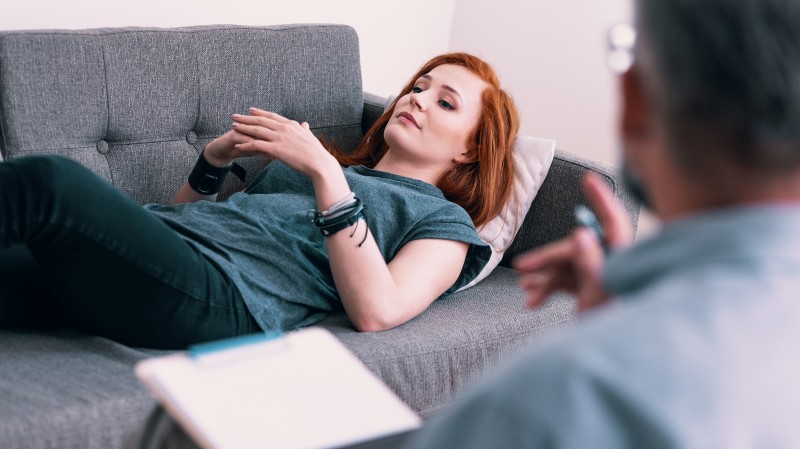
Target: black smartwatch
[{"x": 207, "y": 179}]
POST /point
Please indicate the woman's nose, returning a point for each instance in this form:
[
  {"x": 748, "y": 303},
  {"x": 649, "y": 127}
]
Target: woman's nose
[{"x": 418, "y": 100}]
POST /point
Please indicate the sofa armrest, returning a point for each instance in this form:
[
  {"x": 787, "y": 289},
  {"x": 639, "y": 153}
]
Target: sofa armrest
[
  {"x": 374, "y": 105},
  {"x": 551, "y": 215}
]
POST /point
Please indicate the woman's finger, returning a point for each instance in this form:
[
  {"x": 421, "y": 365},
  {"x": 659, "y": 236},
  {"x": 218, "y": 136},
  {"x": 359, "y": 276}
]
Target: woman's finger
[
  {"x": 269, "y": 115},
  {"x": 254, "y": 146},
  {"x": 264, "y": 122},
  {"x": 238, "y": 137},
  {"x": 254, "y": 131}
]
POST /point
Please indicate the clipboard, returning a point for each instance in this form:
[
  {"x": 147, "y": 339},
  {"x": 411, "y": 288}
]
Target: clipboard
[{"x": 301, "y": 390}]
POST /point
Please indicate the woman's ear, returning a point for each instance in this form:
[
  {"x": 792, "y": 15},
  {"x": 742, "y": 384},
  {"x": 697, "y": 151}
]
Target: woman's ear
[{"x": 467, "y": 157}]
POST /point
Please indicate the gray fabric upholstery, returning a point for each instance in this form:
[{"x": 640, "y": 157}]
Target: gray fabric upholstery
[
  {"x": 374, "y": 106},
  {"x": 136, "y": 106},
  {"x": 434, "y": 356},
  {"x": 64, "y": 389},
  {"x": 551, "y": 215}
]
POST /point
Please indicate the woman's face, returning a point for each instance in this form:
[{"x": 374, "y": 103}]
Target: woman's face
[{"x": 432, "y": 123}]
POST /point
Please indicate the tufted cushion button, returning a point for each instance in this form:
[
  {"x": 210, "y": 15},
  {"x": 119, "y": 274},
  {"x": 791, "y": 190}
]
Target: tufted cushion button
[
  {"x": 102, "y": 147},
  {"x": 191, "y": 137}
]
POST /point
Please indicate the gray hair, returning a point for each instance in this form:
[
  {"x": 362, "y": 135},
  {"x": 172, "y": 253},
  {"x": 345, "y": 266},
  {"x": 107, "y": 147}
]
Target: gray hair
[{"x": 726, "y": 75}]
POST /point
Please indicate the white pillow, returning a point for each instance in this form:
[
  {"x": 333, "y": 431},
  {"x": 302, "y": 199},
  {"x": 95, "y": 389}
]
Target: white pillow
[{"x": 533, "y": 158}]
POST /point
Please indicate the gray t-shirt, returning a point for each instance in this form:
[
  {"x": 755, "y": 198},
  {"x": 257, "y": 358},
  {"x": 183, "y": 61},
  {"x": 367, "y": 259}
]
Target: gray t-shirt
[{"x": 263, "y": 240}]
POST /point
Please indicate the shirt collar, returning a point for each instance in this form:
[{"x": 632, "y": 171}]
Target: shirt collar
[{"x": 752, "y": 234}]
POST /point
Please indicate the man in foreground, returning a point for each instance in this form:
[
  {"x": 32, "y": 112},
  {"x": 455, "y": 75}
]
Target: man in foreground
[{"x": 690, "y": 342}]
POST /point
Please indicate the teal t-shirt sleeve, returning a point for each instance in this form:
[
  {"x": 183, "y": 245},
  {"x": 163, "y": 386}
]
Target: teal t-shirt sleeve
[{"x": 478, "y": 253}]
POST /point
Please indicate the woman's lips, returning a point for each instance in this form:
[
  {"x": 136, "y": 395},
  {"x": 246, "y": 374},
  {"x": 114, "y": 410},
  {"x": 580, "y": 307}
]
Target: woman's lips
[{"x": 409, "y": 118}]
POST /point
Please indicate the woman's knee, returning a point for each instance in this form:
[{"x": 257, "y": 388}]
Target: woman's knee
[
  {"x": 44, "y": 189},
  {"x": 57, "y": 172},
  {"x": 57, "y": 178}
]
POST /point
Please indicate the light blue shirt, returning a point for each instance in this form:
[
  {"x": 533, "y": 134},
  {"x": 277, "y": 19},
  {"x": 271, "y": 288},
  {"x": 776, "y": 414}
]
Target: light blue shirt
[{"x": 698, "y": 352}]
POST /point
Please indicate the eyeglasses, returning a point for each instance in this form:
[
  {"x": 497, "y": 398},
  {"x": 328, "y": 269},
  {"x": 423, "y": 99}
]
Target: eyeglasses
[{"x": 619, "y": 54}]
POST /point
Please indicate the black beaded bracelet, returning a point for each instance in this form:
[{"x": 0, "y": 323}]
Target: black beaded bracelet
[{"x": 207, "y": 179}]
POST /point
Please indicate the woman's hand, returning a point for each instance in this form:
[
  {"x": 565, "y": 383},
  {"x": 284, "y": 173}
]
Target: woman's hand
[
  {"x": 575, "y": 263},
  {"x": 270, "y": 134},
  {"x": 291, "y": 142},
  {"x": 222, "y": 151}
]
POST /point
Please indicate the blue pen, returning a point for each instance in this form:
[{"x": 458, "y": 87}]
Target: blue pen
[{"x": 585, "y": 217}]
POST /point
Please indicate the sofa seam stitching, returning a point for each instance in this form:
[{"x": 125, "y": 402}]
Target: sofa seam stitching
[{"x": 108, "y": 107}]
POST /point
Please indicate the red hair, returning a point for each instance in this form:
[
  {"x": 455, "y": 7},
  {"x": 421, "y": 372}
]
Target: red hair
[{"x": 483, "y": 185}]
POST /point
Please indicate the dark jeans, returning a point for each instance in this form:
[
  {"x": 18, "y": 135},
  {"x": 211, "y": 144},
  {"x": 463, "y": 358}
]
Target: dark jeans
[{"x": 75, "y": 250}]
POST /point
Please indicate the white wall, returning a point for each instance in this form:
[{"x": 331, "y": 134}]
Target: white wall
[
  {"x": 395, "y": 38},
  {"x": 551, "y": 57}
]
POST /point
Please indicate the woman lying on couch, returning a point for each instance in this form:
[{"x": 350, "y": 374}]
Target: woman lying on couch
[{"x": 381, "y": 232}]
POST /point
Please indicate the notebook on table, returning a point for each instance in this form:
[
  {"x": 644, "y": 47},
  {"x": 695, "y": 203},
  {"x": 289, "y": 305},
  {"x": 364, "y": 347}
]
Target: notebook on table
[{"x": 301, "y": 390}]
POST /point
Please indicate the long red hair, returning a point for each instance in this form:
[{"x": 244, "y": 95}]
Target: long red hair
[{"x": 483, "y": 185}]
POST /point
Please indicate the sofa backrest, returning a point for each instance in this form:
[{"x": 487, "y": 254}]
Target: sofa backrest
[{"x": 137, "y": 105}]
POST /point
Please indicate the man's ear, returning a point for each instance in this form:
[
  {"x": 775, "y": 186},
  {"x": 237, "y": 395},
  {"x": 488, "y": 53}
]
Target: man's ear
[{"x": 635, "y": 107}]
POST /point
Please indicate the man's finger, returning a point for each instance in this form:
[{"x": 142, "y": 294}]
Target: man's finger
[
  {"x": 537, "y": 287},
  {"x": 610, "y": 212},
  {"x": 589, "y": 262},
  {"x": 553, "y": 254}
]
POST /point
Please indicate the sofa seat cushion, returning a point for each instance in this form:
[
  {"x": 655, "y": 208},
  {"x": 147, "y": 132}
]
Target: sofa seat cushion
[
  {"x": 66, "y": 389},
  {"x": 430, "y": 359}
]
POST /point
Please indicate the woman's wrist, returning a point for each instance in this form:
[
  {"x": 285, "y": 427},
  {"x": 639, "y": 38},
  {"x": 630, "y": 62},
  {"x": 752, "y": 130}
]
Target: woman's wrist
[
  {"x": 206, "y": 178},
  {"x": 330, "y": 185},
  {"x": 214, "y": 160}
]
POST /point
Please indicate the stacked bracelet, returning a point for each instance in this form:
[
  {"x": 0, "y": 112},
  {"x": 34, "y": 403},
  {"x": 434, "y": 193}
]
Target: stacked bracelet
[
  {"x": 333, "y": 228},
  {"x": 341, "y": 215},
  {"x": 207, "y": 179}
]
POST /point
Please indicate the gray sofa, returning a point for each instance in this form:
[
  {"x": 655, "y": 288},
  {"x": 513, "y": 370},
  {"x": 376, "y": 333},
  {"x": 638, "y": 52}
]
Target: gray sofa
[{"x": 136, "y": 106}]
